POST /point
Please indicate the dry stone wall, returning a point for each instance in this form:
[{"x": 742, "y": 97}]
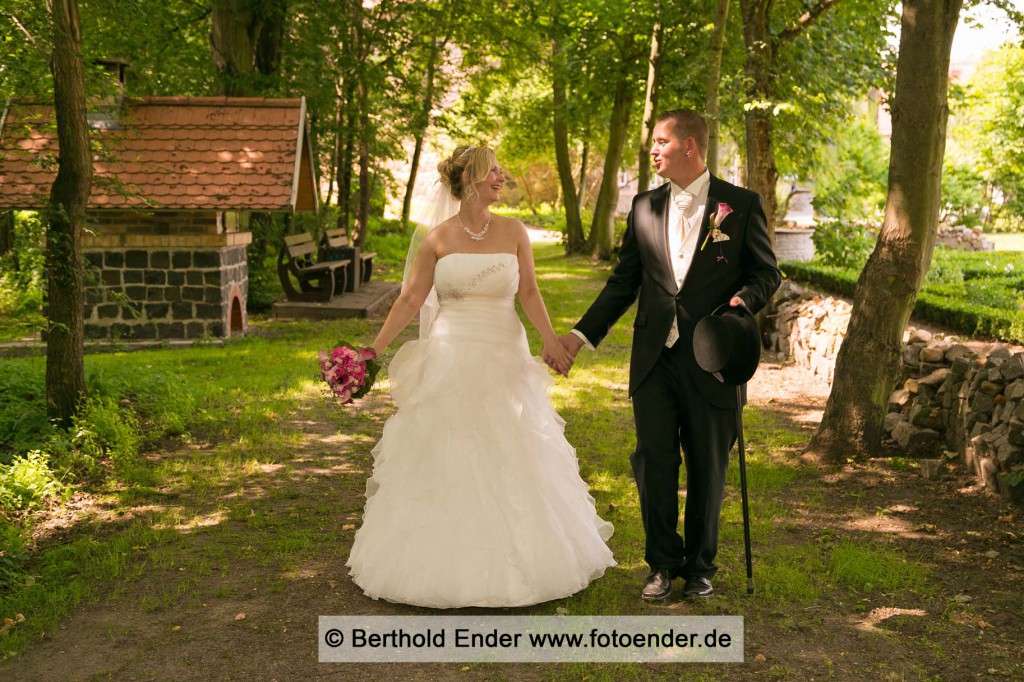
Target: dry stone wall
[{"x": 950, "y": 402}]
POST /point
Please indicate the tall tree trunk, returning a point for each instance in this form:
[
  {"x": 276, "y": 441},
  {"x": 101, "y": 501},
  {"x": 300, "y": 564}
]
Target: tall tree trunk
[
  {"x": 575, "y": 241},
  {"x": 762, "y": 48},
  {"x": 581, "y": 197},
  {"x": 231, "y": 43},
  {"x": 345, "y": 166},
  {"x": 272, "y": 25},
  {"x": 711, "y": 107},
  {"x": 332, "y": 172},
  {"x": 365, "y": 131},
  {"x": 65, "y": 370},
  {"x": 6, "y": 233},
  {"x": 650, "y": 106},
  {"x": 762, "y": 173},
  {"x": 602, "y": 230},
  {"x": 365, "y": 140},
  {"x": 868, "y": 361},
  {"x": 246, "y": 39},
  {"x": 315, "y": 137},
  {"x": 422, "y": 126}
]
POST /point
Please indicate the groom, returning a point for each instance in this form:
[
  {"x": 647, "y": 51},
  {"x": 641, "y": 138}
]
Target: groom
[{"x": 690, "y": 245}]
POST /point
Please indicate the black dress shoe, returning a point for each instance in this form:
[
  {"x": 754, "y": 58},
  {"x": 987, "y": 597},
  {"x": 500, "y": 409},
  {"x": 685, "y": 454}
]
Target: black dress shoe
[
  {"x": 657, "y": 586},
  {"x": 697, "y": 588}
]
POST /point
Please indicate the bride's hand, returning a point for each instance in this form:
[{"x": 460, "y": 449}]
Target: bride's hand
[{"x": 557, "y": 357}]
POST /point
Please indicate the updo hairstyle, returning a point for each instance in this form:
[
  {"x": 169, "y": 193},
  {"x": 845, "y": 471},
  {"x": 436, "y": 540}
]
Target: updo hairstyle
[{"x": 474, "y": 162}]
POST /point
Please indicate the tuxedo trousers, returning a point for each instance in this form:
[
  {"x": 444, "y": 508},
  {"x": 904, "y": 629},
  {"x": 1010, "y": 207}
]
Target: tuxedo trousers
[{"x": 671, "y": 415}]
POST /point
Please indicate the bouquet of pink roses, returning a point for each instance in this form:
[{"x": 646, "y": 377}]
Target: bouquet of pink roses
[{"x": 350, "y": 373}]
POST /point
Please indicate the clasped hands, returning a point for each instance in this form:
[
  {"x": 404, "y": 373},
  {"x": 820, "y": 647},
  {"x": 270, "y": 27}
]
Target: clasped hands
[{"x": 560, "y": 353}]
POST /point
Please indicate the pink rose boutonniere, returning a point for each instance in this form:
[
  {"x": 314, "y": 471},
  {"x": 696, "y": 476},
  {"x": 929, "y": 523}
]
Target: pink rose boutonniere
[
  {"x": 717, "y": 218},
  {"x": 349, "y": 373}
]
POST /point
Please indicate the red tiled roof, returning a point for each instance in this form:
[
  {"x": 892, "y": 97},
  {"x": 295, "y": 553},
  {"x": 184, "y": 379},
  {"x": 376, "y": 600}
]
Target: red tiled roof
[{"x": 225, "y": 153}]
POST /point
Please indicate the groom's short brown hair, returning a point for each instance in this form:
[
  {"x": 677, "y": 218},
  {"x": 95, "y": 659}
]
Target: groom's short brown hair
[{"x": 688, "y": 123}]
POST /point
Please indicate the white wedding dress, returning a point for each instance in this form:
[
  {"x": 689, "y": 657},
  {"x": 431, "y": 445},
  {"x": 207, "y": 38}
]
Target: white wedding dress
[{"x": 476, "y": 497}]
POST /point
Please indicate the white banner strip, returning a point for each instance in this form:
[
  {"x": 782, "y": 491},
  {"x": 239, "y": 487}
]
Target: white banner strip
[{"x": 535, "y": 639}]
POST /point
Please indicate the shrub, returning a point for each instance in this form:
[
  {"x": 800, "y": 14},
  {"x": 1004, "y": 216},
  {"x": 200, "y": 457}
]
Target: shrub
[
  {"x": 27, "y": 481},
  {"x": 963, "y": 194},
  {"x": 23, "y": 422},
  {"x": 844, "y": 244},
  {"x": 109, "y": 424},
  {"x": 110, "y": 430},
  {"x": 12, "y": 555}
]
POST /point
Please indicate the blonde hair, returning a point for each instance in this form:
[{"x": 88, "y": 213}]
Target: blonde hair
[{"x": 466, "y": 160}]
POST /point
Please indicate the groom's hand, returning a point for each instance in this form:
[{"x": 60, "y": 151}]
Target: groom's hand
[
  {"x": 571, "y": 343},
  {"x": 736, "y": 301}
]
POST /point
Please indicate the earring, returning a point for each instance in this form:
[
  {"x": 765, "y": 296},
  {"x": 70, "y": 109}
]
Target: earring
[{"x": 687, "y": 154}]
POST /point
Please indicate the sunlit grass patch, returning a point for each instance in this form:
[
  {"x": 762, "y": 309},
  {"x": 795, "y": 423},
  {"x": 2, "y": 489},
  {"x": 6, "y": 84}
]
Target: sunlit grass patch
[
  {"x": 790, "y": 573},
  {"x": 864, "y": 567}
]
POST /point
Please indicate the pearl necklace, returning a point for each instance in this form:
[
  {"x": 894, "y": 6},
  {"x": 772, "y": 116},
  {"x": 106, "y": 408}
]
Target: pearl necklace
[{"x": 475, "y": 236}]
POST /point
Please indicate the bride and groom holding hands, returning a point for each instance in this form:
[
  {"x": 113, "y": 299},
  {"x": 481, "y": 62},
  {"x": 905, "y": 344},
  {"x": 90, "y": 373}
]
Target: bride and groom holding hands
[{"x": 475, "y": 497}]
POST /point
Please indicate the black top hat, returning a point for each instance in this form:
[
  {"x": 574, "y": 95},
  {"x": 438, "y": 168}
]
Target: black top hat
[{"x": 727, "y": 344}]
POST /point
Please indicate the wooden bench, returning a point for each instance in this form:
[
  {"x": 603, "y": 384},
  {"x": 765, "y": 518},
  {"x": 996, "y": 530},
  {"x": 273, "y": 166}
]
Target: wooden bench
[
  {"x": 335, "y": 245},
  {"x": 318, "y": 281}
]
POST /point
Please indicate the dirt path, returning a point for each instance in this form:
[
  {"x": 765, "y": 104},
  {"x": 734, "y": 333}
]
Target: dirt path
[{"x": 272, "y": 546}]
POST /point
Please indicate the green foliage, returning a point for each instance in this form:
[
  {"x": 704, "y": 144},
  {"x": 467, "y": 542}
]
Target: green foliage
[
  {"x": 23, "y": 422},
  {"x": 975, "y": 293},
  {"x": 851, "y": 172},
  {"x": 103, "y": 428},
  {"x": 963, "y": 193},
  {"x": 125, "y": 412},
  {"x": 389, "y": 240},
  {"x": 24, "y": 61},
  {"x": 816, "y": 77},
  {"x": 27, "y": 481},
  {"x": 21, "y": 279},
  {"x": 987, "y": 140},
  {"x": 844, "y": 244},
  {"x": 12, "y": 555}
]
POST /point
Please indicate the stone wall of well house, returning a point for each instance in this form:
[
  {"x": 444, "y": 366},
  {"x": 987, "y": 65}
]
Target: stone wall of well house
[{"x": 164, "y": 275}]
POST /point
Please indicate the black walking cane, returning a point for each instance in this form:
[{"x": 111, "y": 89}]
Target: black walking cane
[{"x": 743, "y": 489}]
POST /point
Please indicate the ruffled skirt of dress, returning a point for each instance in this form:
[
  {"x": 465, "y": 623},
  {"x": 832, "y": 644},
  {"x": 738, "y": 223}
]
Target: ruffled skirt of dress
[{"x": 475, "y": 497}]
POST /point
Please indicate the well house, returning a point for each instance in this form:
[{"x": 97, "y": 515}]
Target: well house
[{"x": 176, "y": 182}]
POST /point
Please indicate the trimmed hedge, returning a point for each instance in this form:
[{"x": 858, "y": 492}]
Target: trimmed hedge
[{"x": 976, "y": 294}]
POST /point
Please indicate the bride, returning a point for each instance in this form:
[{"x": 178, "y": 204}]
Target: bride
[{"x": 475, "y": 497}]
